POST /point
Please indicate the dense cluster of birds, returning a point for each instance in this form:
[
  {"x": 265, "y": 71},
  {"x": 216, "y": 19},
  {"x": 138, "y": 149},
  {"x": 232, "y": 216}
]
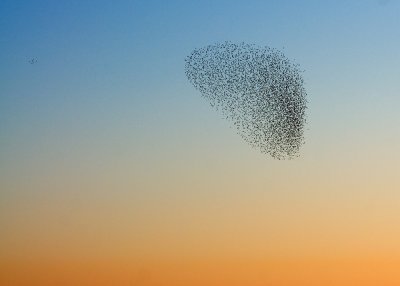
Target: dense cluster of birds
[{"x": 258, "y": 89}]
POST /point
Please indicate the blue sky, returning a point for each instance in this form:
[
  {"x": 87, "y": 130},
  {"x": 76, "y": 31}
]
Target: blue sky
[
  {"x": 116, "y": 66},
  {"x": 112, "y": 72}
]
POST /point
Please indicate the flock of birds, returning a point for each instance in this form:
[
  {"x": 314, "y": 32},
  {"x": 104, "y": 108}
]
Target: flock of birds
[{"x": 258, "y": 89}]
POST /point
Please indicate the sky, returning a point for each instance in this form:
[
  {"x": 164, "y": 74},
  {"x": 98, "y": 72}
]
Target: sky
[{"x": 114, "y": 170}]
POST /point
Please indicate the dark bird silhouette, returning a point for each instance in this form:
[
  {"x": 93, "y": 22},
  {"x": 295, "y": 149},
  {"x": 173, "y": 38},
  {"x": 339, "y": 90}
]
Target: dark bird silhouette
[
  {"x": 33, "y": 61},
  {"x": 258, "y": 89}
]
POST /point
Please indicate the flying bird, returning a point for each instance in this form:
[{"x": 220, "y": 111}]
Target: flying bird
[{"x": 33, "y": 61}]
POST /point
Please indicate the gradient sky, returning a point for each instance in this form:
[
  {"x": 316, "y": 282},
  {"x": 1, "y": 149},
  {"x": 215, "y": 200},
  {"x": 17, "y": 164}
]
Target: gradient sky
[{"x": 114, "y": 171}]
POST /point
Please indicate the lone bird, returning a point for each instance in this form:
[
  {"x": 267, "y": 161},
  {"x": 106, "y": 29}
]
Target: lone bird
[{"x": 33, "y": 61}]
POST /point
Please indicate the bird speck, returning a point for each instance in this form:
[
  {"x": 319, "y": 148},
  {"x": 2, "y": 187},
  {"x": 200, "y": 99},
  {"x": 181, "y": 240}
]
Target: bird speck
[{"x": 32, "y": 61}]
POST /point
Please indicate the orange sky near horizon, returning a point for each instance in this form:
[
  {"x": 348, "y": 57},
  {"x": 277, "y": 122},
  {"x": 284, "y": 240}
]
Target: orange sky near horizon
[
  {"x": 340, "y": 272},
  {"x": 72, "y": 231}
]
